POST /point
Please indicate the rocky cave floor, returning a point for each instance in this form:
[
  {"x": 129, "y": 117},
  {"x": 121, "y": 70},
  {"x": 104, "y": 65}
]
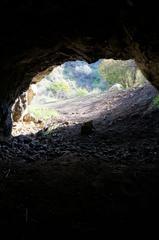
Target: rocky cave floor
[{"x": 64, "y": 182}]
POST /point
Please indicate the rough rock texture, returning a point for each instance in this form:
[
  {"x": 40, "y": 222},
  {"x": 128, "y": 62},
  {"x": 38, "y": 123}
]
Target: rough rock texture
[
  {"x": 31, "y": 92},
  {"x": 90, "y": 185},
  {"x": 29, "y": 118},
  {"x": 35, "y": 36},
  {"x": 19, "y": 108}
]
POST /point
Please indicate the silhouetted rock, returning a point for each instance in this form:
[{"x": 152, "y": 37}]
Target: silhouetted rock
[{"x": 87, "y": 128}]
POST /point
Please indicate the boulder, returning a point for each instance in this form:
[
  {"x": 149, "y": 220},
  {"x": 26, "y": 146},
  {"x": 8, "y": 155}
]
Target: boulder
[
  {"x": 87, "y": 128},
  {"x": 28, "y": 117},
  {"x": 116, "y": 87}
]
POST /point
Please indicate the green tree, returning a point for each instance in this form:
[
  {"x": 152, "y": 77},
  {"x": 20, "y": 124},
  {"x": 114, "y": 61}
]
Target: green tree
[
  {"x": 124, "y": 72},
  {"x": 60, "y": 88}
]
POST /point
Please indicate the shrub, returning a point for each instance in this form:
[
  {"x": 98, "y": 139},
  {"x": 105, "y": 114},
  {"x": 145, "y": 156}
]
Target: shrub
[
  {"x": 96, "y": 91},
  {"x": 60, "y": 88},
  {"x": 82, "y": 92},
  {"x": 155, "y": 101},
  {"x": 124, "y": 72}
]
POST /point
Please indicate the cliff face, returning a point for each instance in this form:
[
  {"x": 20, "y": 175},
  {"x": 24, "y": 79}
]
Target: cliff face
[{"x": 35, "y": 36}]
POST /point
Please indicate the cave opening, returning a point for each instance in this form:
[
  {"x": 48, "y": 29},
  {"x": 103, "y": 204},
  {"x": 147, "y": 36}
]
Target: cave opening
[
  {"x": 99, "y": 175},
  {"x": 81, "y": 150},
  {"x": 75, "y": 92}
]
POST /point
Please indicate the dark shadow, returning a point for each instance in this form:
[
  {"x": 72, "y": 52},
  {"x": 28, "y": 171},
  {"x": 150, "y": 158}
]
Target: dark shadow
[{"x": 63, "y": 182}]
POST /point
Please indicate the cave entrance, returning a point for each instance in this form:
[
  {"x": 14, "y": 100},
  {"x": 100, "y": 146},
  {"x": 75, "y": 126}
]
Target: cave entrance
[{"x": 76, "y": 92}]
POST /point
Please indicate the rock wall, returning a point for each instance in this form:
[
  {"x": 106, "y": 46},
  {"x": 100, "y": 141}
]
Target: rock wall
[
  {"x": 19, "y": 108},
  {"x": 35, "y": 36}
]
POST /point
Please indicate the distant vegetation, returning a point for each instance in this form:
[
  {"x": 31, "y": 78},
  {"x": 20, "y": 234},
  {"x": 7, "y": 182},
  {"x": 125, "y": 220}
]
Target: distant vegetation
[
  {"x": 155, "y": 101},
  {"x": 82, "y": 91},
  {"x": 124, "y": 72},
  {"x": 42, "y": 112},
  {"x": 78, "y": 78},
  {"x": 60, "y": 88}
]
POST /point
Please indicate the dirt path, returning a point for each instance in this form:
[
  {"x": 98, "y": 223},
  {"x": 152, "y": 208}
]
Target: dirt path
[
  {"x": 89, "y": 107},
  {"x": 64, "y": 182}
]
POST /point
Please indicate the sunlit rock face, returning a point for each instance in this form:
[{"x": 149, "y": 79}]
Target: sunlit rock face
[
  {"x": 35, "y": 36},
  {"x": 19, "y": 108}
]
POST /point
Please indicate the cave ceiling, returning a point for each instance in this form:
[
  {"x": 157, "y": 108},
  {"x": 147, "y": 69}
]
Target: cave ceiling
[{"x": 37, "y": 35}]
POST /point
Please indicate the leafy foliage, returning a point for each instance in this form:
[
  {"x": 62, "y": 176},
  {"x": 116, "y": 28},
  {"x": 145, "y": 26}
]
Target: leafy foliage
[
  {"x": 124, "y": 72},
  {"x": 61, "y": 86},
  {"x": 82, "y": 92},
  {"x": 155, "y": 101}
]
